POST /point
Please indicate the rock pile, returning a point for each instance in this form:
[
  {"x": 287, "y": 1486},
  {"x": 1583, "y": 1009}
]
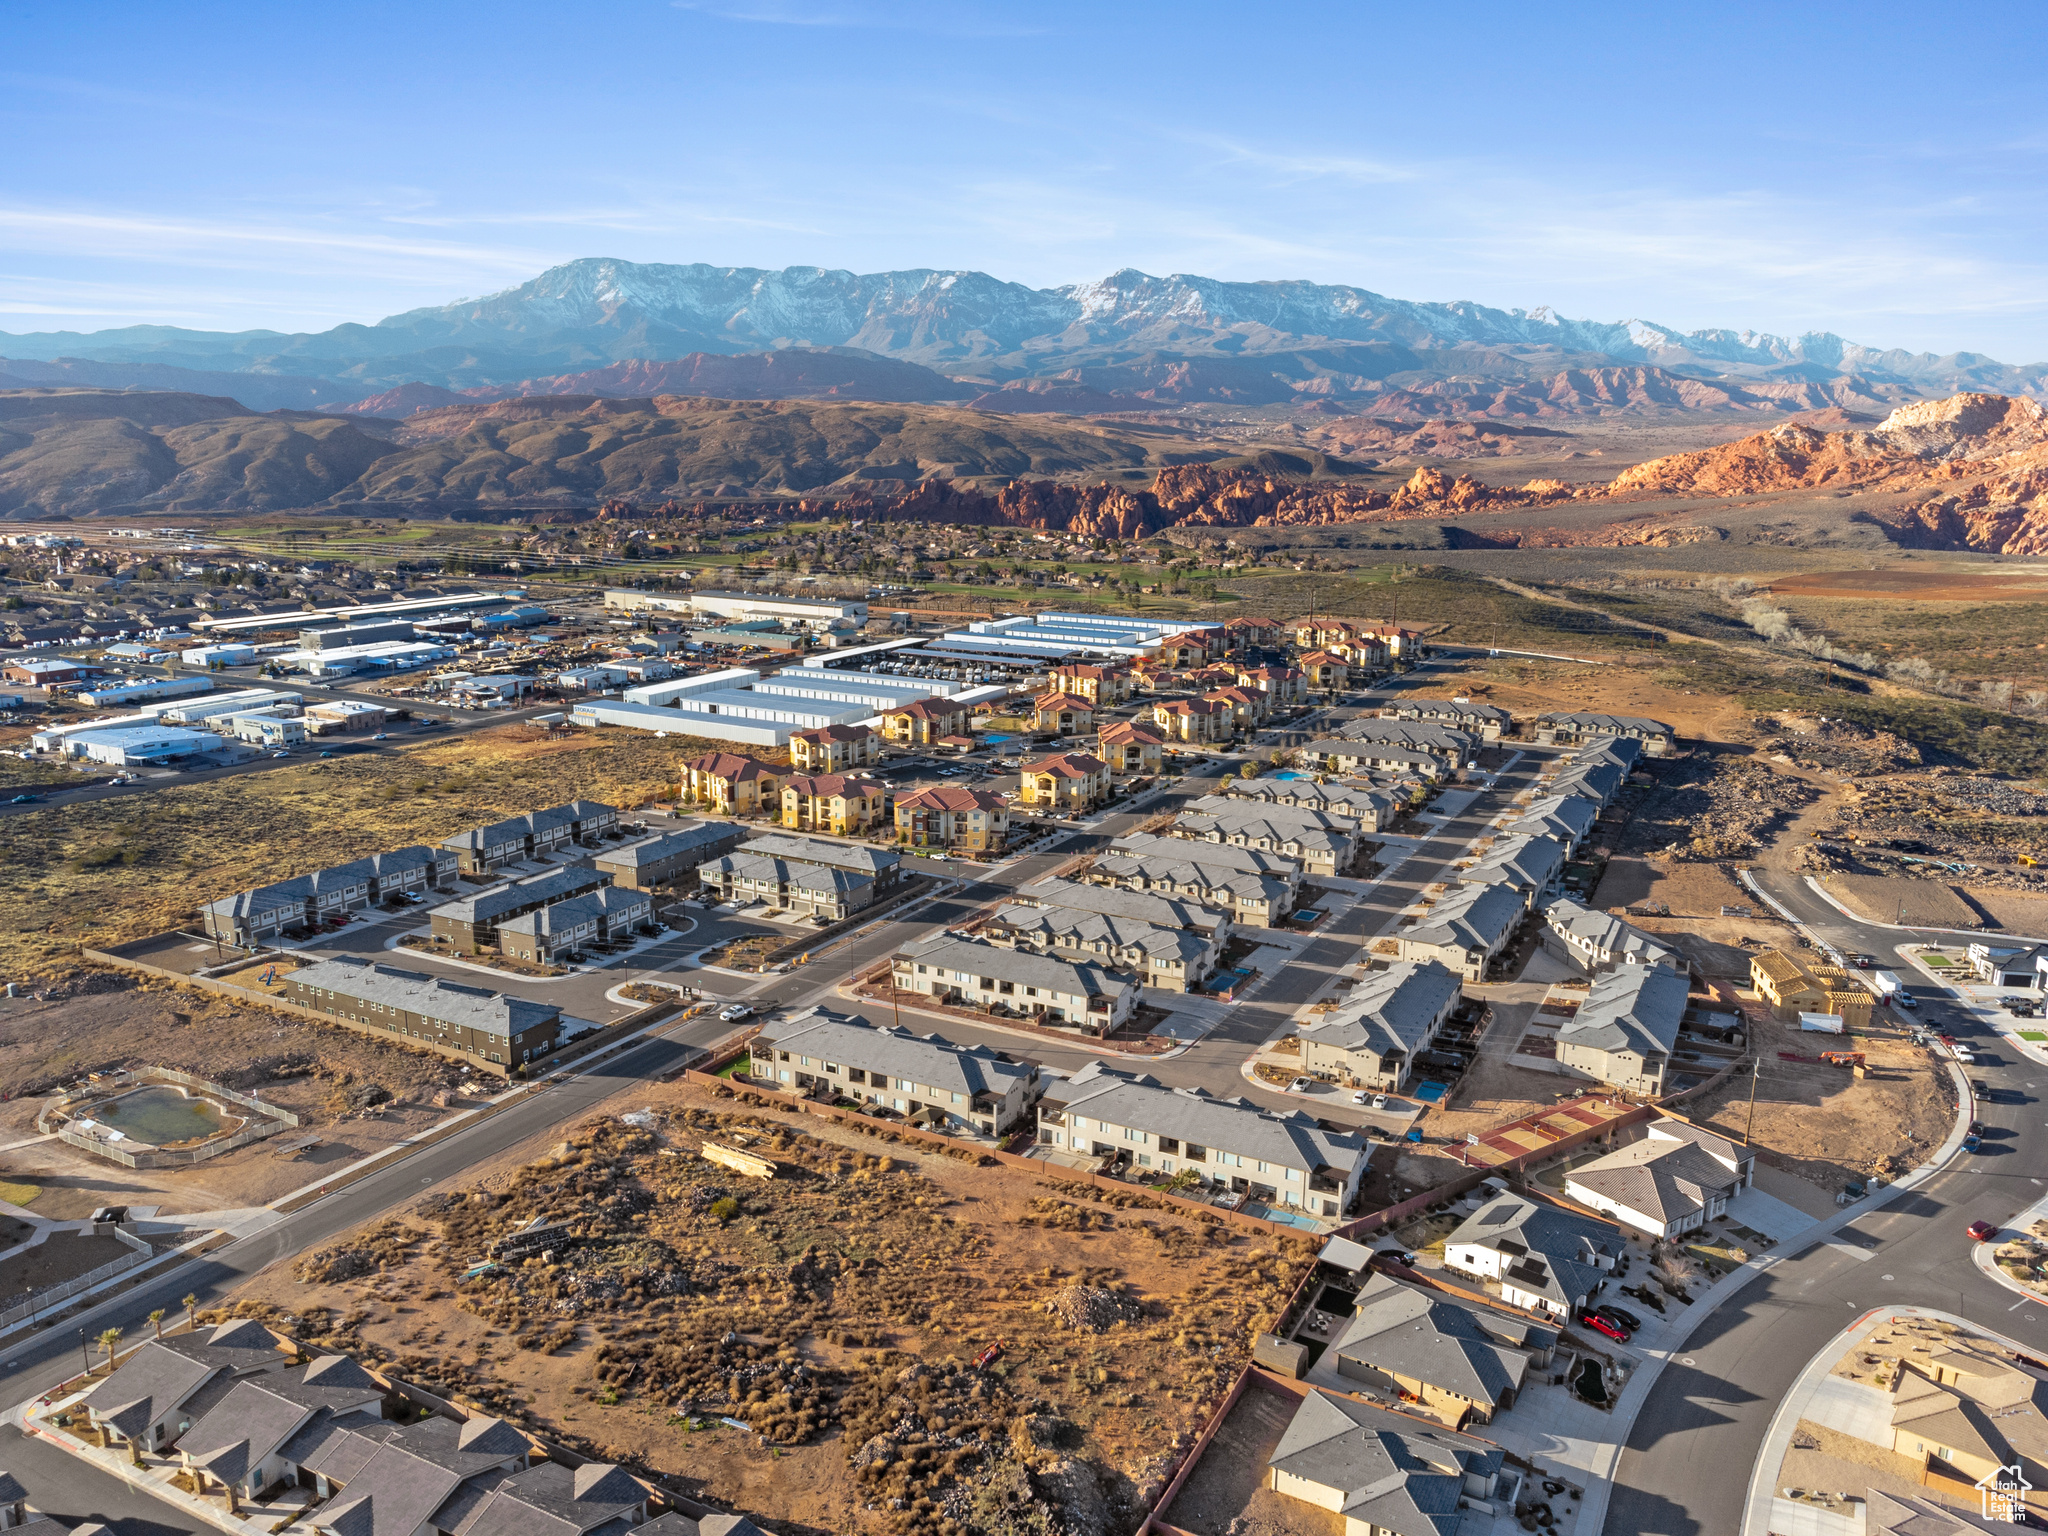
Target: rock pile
[{"x": 1091, "y": 1309}]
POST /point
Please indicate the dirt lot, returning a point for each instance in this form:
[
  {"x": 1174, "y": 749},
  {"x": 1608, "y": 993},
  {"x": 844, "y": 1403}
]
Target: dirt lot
[
  {"x": 1821, "y": 1123},
  {"x": 1935, "y": 586},
  {"x": 1226, "y": 1495},
  {"x": 104, "y": 871},
  {"x": 1623, "y": 686},
  {"x": 1902, "y": 898},
  {"x": 835, "y": 1309},
  {"x": 358, "y": 1093}
]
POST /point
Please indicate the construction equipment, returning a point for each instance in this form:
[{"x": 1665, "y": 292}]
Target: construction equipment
[
  {"x": 1842, "y": 1058},
  {"x": 989, "y": 1356}
]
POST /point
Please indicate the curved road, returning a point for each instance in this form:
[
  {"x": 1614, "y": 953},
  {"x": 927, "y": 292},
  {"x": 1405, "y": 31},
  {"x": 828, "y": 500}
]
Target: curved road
[{"x": 1685, "y": 1469}]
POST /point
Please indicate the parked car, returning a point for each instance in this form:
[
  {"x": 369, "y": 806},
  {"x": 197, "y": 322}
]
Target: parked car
[
  {"x": 1599, "y": 1324},
  {"x": 1972, "y": 1143},
  {"x": 1621, "y": 1315},
  {"x": 1299, "y": 1085},
  {"x": 1982, "y": 1231}
]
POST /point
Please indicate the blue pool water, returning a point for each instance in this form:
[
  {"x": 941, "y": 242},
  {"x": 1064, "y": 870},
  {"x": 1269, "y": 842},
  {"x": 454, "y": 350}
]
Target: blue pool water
[
  {"x": 992, "y": 738},
  {"x": 1431, "y": 1093},
  {"x": 1287, "y": 775}
]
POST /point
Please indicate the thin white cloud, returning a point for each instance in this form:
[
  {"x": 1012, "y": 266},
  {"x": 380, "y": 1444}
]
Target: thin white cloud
[{"x": 951, "y": 20}]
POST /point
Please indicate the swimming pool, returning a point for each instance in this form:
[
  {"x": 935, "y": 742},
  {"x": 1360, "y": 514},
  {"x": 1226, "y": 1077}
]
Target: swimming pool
[{"x": 1290, "y": 775}]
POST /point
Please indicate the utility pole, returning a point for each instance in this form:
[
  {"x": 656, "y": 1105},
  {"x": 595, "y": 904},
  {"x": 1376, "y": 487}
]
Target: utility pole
[{"x": 1755, "y": 1070}]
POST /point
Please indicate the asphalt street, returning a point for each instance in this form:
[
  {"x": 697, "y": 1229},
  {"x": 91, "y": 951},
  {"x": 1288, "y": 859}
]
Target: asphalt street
[{"x": 1686, "y": 1466}]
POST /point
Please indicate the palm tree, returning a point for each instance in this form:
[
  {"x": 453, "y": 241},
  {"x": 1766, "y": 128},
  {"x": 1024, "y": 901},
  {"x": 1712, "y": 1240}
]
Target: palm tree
[
  {"x": 110, "y": 1340},
  {"x": 191, "y": 1314},
  {"x": 156, "y": 1320}
]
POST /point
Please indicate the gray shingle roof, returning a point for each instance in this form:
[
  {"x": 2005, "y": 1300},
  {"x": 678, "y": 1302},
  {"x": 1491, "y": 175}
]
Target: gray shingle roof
[
  {"x": 710, "y": 838},
  {"x": 1235, "y": 807},
  {"x": 798, "y": 875},
  {"x": 871, "y": 862},
  {"x": 554, "y": 1500},
  {"x": 1257, "y": 830},
  {"x": 1096, "y": 932},
  {"x": 1196, "y": 870},
  {"x": 1605, "y": 934},
  {"x": 1567, "y": 817},
  {"x": 1638, "y": 1007},
  {"x": 1606, "y": 725},
  {"x": 433, "y": 997},
  {"x": 1450, "y": 709},
  {"x": 1137, "y": 906},
  {"x": 1389, "y": 1471},
  {"x": 928, "y": 1059},
  {"x": 1139, "y": 845},
  {"x": 1470, "y": 917},
  {"x": 1426, "y": 1337},
  {"x": 1550, "y": 1251},
  {"x": 611, "y": 902},
  {"x": 1071, "y": 978},
  {"x": 1596, "y": 779},
  {"x": 1522, "y": 861},
  {"x": 1237, "y": 1125},
  {"x": 1421, "y": 735},
  {"x": 169, "y": 1371},
  {"x": 533, "y": 823},
  {"x": 1354, "y": 801},
  {"x": 1390, "y": 1010},
  {"x": 538, "y": 890}
]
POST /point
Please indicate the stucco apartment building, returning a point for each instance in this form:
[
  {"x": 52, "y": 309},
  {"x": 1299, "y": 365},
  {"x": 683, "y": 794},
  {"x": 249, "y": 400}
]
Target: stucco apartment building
[
  {"x": 832, "y": 802},
  {"x": 926, "y": 722},
  {"x": 1101, "y": 686},
  {"x": 1131, "y": 747},
  {"x": 734, "y": 785},
  {"x": 1277, "y": 1159},
  {"x": 1195, "y": 722},
  {"x": 835, "y": 748},
  {"x": 1284, "y": 686},
  {"x": 992, "y": 979},
  {"x": 1371, "y": 1039},
  {"x": 926, "y": 1079},
  {"x": 1325, "y": 671},
  {"x": 579, "y": 823},
  {"x": 1065, "y": 782},
  {"x": 1062, "y": 714},
  {"x": 953, "y": 817},
  {"x": 452, "y": 1018}
]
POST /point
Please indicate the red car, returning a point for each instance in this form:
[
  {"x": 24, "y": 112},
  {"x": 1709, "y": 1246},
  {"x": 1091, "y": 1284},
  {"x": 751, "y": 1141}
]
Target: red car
[
  {"x": 1982, "y": 1231},
  {"x": 1600, "y": 1324}
]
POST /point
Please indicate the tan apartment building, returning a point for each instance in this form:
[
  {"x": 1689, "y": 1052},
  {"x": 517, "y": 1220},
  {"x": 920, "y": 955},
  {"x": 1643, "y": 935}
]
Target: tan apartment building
[
  {"x": 1066, "y": 781},
  {"x": 925, "y": 722},
  {"x": 1062, "y": 714},
  {"x": 1248, "y": 706},
  {"x": 1100, "y": 686},
  {"x": 834, "y": 749},
  {"x": 1195, "y": 721},
  {"x": 831, "y": 802},
  {"x": 953, "y": 817},
  {"x": 1325, "y": 670},
  {"x": 735, "y": 785},
  {"x": 1131, "y": 746},
  {"x": 1283, "y": 685}
]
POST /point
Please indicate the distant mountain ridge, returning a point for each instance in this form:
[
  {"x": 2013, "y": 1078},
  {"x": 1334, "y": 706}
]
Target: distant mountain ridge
[{"x": 594, "y": 313}]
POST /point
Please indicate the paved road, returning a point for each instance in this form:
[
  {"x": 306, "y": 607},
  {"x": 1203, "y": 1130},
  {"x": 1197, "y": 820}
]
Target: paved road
[{"x": 1686, "y": 1466}]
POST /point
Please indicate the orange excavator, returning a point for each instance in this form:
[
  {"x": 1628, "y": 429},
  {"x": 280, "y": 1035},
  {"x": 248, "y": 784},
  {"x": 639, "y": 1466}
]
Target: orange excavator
[{"x": 1842, "y": 1058}]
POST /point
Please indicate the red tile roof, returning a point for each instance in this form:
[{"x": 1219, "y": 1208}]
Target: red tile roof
[
  {"x": 829, "y": 784},
  {"x": 951, "y": 797},
  {"x": 1068, "y": 765},
  {"x": 1119, "y": 732},
  {"x": 826, "y": 733},
  {"x": 730, "y": 765}
]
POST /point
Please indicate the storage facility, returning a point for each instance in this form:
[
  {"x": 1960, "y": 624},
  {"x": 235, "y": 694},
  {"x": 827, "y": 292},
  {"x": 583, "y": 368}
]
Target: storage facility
[{"x": 149, "y": 688}]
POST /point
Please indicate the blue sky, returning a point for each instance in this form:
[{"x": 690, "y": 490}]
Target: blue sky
[{"x": 1875, "y": 170}]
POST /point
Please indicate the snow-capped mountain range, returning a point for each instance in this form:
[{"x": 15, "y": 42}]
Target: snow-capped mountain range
[{"x": 597, "y": 311}]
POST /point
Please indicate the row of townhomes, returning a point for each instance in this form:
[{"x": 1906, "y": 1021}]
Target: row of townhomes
[
  {"x": 806, "y": 875},
  {"x": 279, "y": 1434},
  {"x": 926, "y": 1079}
]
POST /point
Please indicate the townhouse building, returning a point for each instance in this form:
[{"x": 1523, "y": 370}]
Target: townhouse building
[
  {"x": 1567, "y": 818},
  {"x": 469, "y": 924},
  {"x": 953, "y": 817},
  {"x": 1565, "y": 728},
  {"x": 1138, "y": 906},
  {"x": 260, "y": 914},
  {"x": 1170, "y": 959},
  {"x": 1131, "y": 747},
  {"x": 1489, "y": 722},
  {"x": 1065, "y": 782},
  {"x": 1520, "y": 863},
  {"x": 734, "y": 785},
  {"x": 1456, "y": 747},
  {"x": 667, "y": 857},
  {"x": 1374, "y": 810},
  {"x": 835, "y": 748},
  {"x": 926, "y": 1079},
  {"x": 1596, "y": 941},
  {"x": 1040, "y": 987},
  {"x": 1319, "y": 850},
  {"x": 607, "y": 915},
  {"x": 802, "y": 874},
  {"x": 1371, "y": 1039},
  {"x": 487, "y": 1028},
  {"x": 832, "y": 802},
  {"x": 579, "y": 823},
  {"x": 1626, "y": 1029},
  {"x": 1598, "y": 782},
  {"x": 1464, "y": 930},
  {"x": 1255, "y": 899},
  {"x": 1277, "y": 1159},
  {"x": 1343, "y": 755}
]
